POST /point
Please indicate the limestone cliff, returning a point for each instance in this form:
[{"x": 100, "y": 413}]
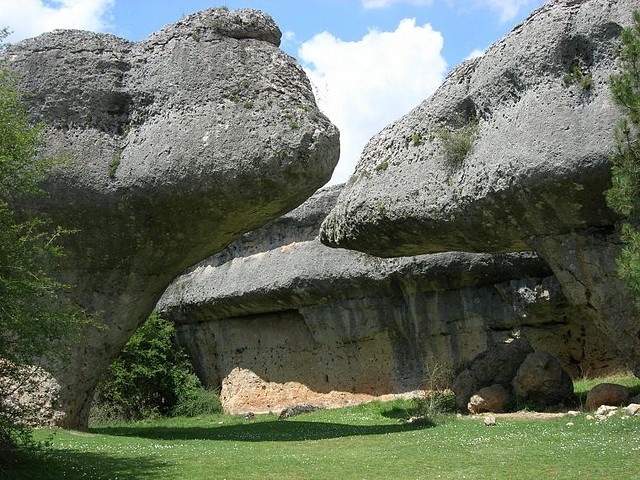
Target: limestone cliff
[
  {"x": 278, "y": 319},
  {"x": 538, "y": 118},
  {"x": 174, "y": 146}
]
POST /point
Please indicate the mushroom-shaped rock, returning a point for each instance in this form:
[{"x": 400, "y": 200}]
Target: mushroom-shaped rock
[
  {"x": 511, "y": 153},
  {"x": 174, "y": 147}
]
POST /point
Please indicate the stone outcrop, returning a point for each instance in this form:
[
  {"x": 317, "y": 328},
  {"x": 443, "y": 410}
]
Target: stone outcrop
[
  {"x": 538, "y": 112},
  {"x": 495, "y": 366},
  {"x": 279, "y": 319},
  {"x": 541, "y": 379},
  {"x": 527, "y": 375},
  {"x": 173, "y": 147}
]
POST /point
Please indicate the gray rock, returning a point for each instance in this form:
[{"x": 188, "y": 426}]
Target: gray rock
[
  {"x": 496, "y": 365},
  {"x": 176, "y": 146},
  {"x": 633, "y": 409},
  {"x": 541, "y": 379},
  {"x": 535, "y": 175},
  {"x": 296, "y": 410}
]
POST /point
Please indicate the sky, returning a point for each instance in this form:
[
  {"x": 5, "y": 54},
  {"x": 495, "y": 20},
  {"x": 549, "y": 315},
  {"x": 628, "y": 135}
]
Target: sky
[{"x": 370, "y": 61}]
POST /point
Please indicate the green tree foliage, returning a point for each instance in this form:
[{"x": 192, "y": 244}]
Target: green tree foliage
[
  {"x": 151, "y": 377},
  {"x": 33, "y": 316},
  {"x": 624, "y": 196}
]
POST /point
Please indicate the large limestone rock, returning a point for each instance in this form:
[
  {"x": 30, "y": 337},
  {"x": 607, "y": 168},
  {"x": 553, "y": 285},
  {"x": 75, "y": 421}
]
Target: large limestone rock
[
  {"x": 535, "y": 176},
  {"x": 278, "y": 319},
  {"x": 175, "y": 146},
  {"x": 541, "y": 379},
  {"x": 495, "y": 366}
]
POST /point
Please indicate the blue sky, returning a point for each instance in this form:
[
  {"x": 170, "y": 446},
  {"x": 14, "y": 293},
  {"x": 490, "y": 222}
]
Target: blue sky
[{"x": 370, "y": 60}]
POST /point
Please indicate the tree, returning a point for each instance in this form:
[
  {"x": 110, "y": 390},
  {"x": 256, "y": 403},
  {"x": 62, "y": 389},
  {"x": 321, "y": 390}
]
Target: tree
[
  {"x": 34, "y": 317},
  {"x": 624, "y": 195},
  {"x": 152, "y": 376}
]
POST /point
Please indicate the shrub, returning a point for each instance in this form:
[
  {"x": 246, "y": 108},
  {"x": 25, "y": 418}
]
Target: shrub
[
  {"x": 151, "y": 377},
  {"x": 458, "y": 141},
  {"x": 437, "y": 398}
]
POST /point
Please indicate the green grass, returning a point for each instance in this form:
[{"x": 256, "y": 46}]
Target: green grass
[{"x": 364, "y": 442}]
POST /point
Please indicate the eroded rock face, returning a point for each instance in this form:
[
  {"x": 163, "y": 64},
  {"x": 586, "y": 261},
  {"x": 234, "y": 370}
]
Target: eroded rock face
[
  {"x": 278, "y": 319},
  {"x": 175, "y": 146},
  {"x": 535, "y": 176}
]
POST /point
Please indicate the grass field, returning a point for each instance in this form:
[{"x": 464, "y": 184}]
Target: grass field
[{"x": 363, "y": 442}]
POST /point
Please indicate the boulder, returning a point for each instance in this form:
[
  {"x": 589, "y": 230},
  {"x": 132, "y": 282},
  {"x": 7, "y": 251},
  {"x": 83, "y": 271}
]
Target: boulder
[
  {"x": 607, "y": 394},
  {"x": 496, "y": 365},
  {"x": 278, "y": 319},
  {"x": 174, "y": 147},
  {"x": 493, "y": 398},
  {"x": 541, "y": 379},
  {"x": 633, "y": 409},
  {"x": 535, "y": 118}
]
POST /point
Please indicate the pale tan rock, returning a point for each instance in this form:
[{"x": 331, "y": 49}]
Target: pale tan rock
[
  {"x": 489, "y": 399},
  {"x": 633, "y": 409},
  {"x": 490, "y": 421}
]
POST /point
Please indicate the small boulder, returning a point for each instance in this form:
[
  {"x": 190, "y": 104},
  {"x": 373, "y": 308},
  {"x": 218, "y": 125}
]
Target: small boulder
[
  {"x": 489, "y": 399},
  {"x": 490, "y": 421},
  {"x": 633, "y": 409},
  {"x": 296, "y": 410},
  {"x": 542, "y": 379},
  {"x": 607, "y": 394}
]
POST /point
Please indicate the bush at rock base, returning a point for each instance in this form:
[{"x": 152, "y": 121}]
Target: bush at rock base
[{"x": 151, "y": 377}]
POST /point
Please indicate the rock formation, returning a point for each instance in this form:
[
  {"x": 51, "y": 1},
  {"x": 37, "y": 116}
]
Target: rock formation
[
  {"x": 541, "y": 379},
  {"x": 510, "y": 154},
  {"x": 174, "y": 147},
  {"x": 279, "y": 319}
]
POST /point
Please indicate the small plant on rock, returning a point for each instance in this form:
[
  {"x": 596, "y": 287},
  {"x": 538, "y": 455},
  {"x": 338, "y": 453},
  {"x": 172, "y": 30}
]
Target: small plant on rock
[
  {"x": 584, "y": 80},
  {"x": 458, "y": 141}
]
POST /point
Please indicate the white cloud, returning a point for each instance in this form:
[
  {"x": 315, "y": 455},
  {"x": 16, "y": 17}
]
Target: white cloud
[
  {"x": 363, "y": 86},
  {"x": 372, "y": 4},
  {"x": 475, "y": 54},
  {"x": 508, "y": 9},
  {"x": 28, "y": 18}
]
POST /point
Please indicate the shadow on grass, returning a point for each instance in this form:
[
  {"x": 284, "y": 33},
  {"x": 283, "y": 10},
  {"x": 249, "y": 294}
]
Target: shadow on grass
[
  {"x": 56, "y": 464},
  {"x": 265, "y": 431}
]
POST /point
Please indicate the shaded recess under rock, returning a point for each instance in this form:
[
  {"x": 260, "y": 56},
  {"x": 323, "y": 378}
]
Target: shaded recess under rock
[{"x": 278, "y": 319}]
